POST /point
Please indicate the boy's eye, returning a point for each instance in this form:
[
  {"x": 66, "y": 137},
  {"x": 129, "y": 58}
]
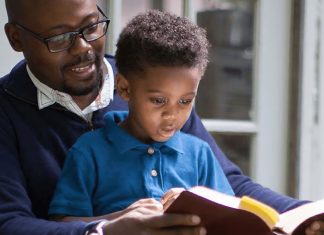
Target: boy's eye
[
  {"x": 185, "y": 101},
  {"x": 158, "y": 100}
]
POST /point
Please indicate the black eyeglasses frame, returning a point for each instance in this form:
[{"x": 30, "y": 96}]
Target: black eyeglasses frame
[{"x": 74, "y": 34}]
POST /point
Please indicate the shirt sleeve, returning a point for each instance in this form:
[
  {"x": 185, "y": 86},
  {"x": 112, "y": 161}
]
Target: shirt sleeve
[
  {"x": 16, "y": 215},
  {"x": 240, "y": 183},
  {"x": 211, "y": 173},
  {"x": 73, "y": 192}
]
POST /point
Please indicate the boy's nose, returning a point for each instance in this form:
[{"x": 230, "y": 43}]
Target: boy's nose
[
  {"x": 170, "y": 113},
  {"x": 168, "y": 116}
]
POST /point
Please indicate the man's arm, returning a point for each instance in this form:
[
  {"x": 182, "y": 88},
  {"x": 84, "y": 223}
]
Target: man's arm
[
  {"x": 16, "y": 215},
  {"x": 241, "y": 184}
]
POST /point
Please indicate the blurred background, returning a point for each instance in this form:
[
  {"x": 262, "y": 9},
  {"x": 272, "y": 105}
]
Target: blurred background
[{"x": 262, "y": 95}]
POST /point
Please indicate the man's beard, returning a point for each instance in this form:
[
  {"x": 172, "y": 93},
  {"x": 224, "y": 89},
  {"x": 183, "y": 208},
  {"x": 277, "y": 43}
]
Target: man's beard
[{"x": 95, "y": 86}]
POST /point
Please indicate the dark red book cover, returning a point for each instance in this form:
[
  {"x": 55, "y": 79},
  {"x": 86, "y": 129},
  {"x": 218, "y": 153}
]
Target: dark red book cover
[{"x": 219, "y": 219}]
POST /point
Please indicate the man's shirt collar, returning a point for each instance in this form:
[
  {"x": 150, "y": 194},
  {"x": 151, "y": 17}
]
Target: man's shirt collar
[{"x": 47, "y": 96}]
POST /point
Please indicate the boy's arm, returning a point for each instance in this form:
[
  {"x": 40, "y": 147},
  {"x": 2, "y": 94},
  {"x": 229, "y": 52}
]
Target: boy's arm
[{"x": 241, "y": 184}]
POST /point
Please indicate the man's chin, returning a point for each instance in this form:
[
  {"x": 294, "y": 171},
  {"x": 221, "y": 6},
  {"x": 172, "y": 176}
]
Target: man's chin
[
  {"x": 84, "y": 90},
  {"x": 81, "y": 91}
]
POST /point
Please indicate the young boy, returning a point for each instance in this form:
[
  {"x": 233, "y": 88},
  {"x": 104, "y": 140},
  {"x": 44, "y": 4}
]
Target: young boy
[{"x": 142, "y": 154}]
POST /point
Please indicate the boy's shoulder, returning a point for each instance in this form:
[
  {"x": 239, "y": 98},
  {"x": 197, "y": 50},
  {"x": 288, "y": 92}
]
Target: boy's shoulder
[
  {"x": 192, "y": 141},
  {"x": 90, "y": 139},
  {"x": 194, "y": 147},
  {"x": 99, "y": 136},
  {"x": 115, "y": 116}
]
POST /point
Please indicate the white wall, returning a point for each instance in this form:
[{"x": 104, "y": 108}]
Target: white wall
[{"x": 8, "y": 57}]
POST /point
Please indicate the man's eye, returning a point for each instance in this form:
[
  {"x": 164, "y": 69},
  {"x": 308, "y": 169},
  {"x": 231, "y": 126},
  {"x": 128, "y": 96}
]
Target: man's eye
[
  {"x": 60, "y": 38},
  {"x": 158, "y": 100},
  {"x": 92, "y": 29},
  {"x": 185, "y": 101}
]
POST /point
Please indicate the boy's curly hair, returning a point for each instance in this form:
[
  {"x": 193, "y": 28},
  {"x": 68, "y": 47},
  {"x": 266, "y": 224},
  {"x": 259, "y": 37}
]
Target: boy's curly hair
[{"x": 156, "y": 38}]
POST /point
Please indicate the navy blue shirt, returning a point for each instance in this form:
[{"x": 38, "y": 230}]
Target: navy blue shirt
[{"x": 108, "y": 169}]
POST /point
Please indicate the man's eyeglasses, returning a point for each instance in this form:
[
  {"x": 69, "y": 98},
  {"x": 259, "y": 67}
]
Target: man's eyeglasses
[{"x": 64, "y": 41}]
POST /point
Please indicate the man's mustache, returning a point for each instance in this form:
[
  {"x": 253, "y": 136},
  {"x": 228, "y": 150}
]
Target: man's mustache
[{"x": 84, "y": 58}]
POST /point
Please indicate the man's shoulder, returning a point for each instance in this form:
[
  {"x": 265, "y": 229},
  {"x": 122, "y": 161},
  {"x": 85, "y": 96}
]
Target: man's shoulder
[
  {"x": 16, "y": 78},
  {"x": 112, "y": 62},
  {"x": 110, "y": 57},
  {"x": 19, "y": 68},
  {"x": 17, "y": 85}
]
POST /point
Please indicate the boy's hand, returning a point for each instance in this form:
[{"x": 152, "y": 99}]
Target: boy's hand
[
  {"x": 145, "y": 206},
  {"x": 316, "y": 228},
  {"x": 170, "y": 196}
]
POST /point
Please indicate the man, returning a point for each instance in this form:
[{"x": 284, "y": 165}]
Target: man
[{"x": 61, "y": 90}]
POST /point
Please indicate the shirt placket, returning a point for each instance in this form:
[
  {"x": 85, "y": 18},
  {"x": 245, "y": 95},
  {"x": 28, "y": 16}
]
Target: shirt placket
[{"x": 153, "y": 179}]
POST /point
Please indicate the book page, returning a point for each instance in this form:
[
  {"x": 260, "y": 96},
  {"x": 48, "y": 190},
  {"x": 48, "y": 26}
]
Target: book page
[
  {"x": 220, "y": 198},
  {"x": 290, "y": 220}
]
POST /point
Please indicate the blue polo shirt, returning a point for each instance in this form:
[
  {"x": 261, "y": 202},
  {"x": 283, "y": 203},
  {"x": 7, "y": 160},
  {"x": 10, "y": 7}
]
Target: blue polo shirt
[{"x": 108, "y": 169}]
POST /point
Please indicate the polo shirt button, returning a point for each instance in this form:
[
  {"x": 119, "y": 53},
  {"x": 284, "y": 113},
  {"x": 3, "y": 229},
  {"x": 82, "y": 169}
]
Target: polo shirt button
[
  {"x": 150, "y": 150},
  {"x": 153, "y": 173}
]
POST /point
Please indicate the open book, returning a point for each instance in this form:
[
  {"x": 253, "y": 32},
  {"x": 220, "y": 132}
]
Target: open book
[{"x": 230, "y": 215}]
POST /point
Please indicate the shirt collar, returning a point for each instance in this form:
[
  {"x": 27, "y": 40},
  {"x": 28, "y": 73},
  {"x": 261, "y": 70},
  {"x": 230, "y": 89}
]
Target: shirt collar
[
  {"x": 119, "y": 137},
  {"x": 47, "y": 96}
]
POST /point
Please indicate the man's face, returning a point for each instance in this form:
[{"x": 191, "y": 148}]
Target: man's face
[
  {"x": 160, "y": 101},
  {"x": 76, "y": 71}
]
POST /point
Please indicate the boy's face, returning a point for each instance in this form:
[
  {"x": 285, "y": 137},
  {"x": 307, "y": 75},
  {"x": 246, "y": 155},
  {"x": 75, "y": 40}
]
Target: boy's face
[{"x": 160, "y": 101}]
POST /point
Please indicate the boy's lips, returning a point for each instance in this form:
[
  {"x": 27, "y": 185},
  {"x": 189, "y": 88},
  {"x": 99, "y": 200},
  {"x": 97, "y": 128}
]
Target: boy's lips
[{"x": 167, "y": 131}]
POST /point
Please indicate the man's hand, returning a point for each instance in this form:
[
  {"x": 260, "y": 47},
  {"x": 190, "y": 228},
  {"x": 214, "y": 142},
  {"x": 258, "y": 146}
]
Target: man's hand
[
  {"x": 158, "y": 224},
  {"x": 316, "y": 228}
]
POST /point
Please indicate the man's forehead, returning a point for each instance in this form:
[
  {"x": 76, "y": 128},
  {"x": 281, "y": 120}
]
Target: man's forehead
[
  {"x": 20, "y": 6},
  {"x": 19, "y": 9},
  {"x": 49, "y": 11}
]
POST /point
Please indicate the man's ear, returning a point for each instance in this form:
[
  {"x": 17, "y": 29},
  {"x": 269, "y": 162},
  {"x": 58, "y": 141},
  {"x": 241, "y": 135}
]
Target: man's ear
[
  {"x": 123, "y": 87},
  {"x": 13, "y": 36}
]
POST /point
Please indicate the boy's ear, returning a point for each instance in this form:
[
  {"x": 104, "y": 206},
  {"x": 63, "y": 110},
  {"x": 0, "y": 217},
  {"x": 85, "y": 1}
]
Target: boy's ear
[
  {"x": 122, "y": 86},
  {"x": 13, "y": 36}
]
